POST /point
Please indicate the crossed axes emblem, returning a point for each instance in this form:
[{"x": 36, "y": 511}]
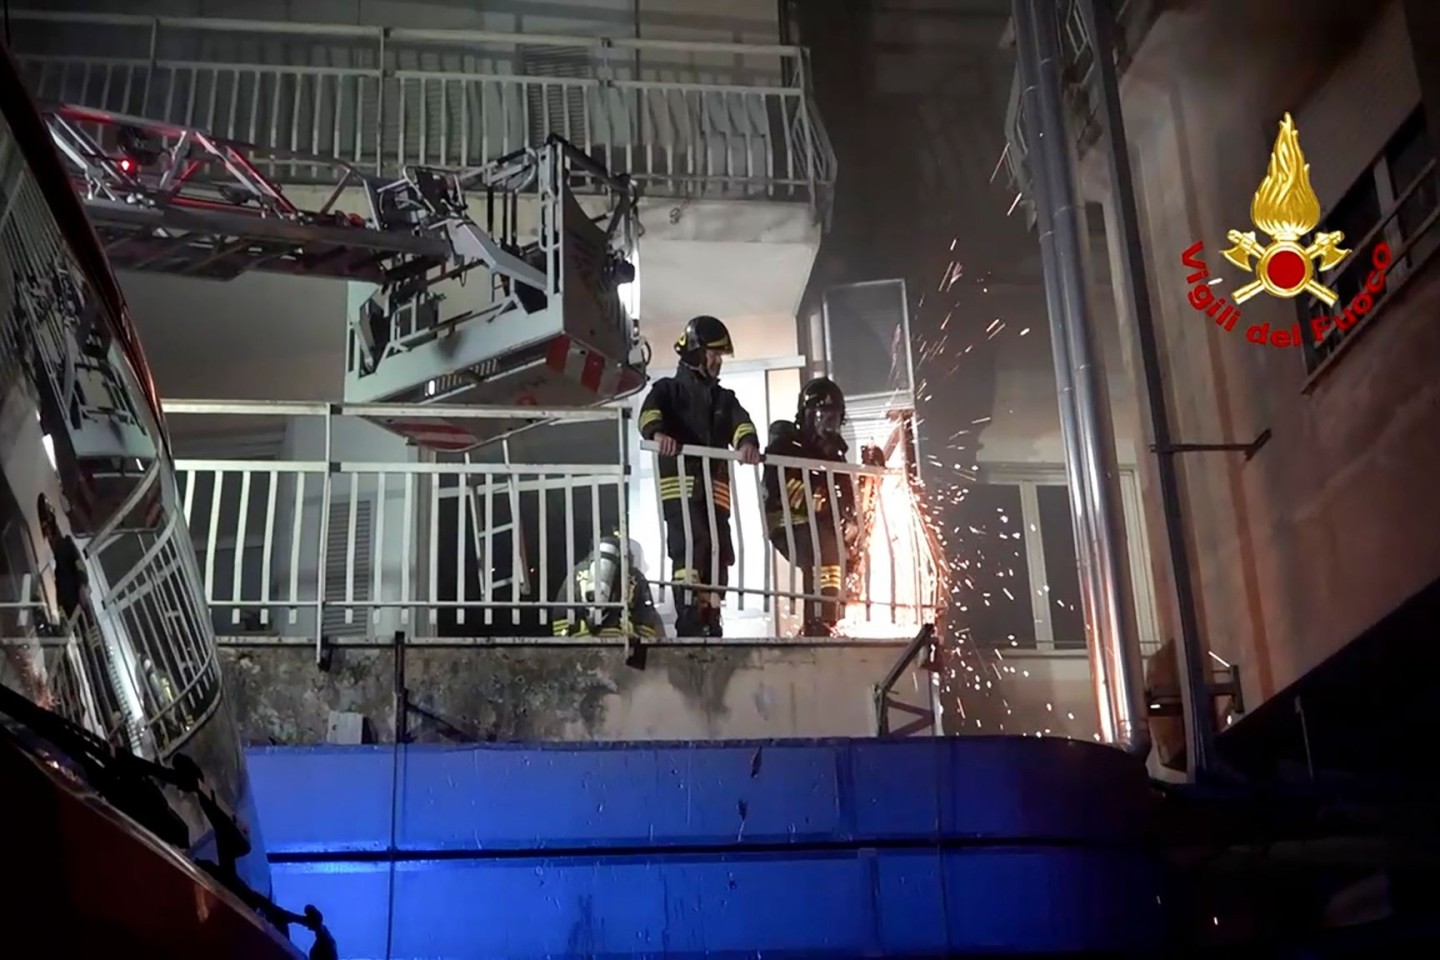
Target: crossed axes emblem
[{"x": 1325, "y": 247}]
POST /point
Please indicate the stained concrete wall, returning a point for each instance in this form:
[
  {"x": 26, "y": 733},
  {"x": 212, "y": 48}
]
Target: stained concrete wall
[
  {"x": 572, "y": 692},
  {"x": 1332, "y": 524}
]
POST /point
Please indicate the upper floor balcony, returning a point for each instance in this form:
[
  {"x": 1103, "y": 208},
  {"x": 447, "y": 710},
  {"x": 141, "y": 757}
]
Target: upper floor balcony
[{"x": 686, "y": 120}]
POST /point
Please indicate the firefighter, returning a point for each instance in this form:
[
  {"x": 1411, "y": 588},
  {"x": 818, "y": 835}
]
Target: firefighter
[
  {"x": 811, "y": 520},
  {"x": 580, "y": 609},
  {"x": 692, "y": 409}
]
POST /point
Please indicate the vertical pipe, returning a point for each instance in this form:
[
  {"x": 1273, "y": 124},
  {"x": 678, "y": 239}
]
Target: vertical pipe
[
  {"x": 1114, "y": 614},
  {"x": 1098, "y": 17},
  {"x": 1080, "y": 514}
]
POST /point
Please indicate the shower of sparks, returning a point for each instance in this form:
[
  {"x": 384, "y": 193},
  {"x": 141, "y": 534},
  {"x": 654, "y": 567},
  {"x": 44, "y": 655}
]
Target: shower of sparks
[
  {"x": 919, "y": 570},
  {"x": 903, "y": 573}
]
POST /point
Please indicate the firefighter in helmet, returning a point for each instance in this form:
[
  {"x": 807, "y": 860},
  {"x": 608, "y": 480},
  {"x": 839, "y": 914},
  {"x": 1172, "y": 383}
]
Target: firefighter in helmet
[
  {"x": 691, "y": 409},
  {"x": 813, "y": 526},
  {"x": 581, "y": 603}
]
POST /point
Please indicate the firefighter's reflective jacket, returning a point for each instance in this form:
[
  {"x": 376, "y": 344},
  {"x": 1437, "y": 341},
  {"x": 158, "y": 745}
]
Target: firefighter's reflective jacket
[
  {"x": 782, "y": 485},
  {"x": 572, "y": 615},
  {"x": 695, "y": 411}
]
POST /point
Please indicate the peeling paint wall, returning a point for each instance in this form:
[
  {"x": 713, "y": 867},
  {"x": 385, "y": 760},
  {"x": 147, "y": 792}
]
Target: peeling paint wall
[{"x": 570, "y": 693}]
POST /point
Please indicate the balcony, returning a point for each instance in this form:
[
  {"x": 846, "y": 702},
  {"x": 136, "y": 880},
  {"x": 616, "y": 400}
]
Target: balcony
[
  {"x": 315, "y": 527},
  {"x": 687, "y": 120}
]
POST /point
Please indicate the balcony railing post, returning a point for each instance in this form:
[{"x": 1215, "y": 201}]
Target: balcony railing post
[
  {"x": 154, "y": 63},
  {"x": 382, "y": 75}
]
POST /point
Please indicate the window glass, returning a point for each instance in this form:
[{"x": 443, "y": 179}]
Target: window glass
[
  {"x": 1401, "y": 168},
  {"x": 1061, "y": 590},
  {"x": 1408, "y": 154},
  {"x": 1355, "y": 215},
  {"x": 995, "y": 582}
]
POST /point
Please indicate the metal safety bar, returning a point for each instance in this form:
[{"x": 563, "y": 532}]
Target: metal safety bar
[
  {"x": 714, "y": 120},
  {"x": 890, "y": 567}
]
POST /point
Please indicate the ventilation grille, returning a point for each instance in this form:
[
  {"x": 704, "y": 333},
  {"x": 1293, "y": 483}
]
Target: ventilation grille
[
  {"x": 556, "y": 107},
  {"x": 337, "y": 553}
]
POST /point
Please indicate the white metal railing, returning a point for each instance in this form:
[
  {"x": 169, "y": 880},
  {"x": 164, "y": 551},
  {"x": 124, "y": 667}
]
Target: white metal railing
[
  {"x": 348, "y": 535},
  {"x": 137, "y": 664},
  {"x": 892, "y": 581},
  {"x": 684, "y": 119}
]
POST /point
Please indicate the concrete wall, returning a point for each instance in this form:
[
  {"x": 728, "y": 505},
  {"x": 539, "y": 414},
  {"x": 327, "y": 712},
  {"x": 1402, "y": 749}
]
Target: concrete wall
[
  {"x": 1330, "y": 525},
  {"x": 571, "y": 692}
]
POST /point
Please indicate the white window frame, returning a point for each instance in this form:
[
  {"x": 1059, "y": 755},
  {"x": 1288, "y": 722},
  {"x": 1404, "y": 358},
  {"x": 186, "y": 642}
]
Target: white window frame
[{"x": 1027, "y": 477}]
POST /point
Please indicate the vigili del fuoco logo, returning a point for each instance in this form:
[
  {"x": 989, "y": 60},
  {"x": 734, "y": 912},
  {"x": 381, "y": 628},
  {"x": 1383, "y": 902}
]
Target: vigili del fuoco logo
[{"x": 1284, "y": 209}]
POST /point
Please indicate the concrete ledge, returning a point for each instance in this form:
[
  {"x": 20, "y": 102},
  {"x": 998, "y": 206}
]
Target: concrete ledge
[{"x": 566, "y": 692}]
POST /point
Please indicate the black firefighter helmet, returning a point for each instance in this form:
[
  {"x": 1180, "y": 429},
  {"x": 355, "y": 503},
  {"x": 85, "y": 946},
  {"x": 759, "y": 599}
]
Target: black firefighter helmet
[
  {"x": 821, "y": 409},
  {"x": 703, "y": 333}
]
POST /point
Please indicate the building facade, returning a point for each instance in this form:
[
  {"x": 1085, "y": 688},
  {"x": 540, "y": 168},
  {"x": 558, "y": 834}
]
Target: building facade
[{"x": 1307, "y": 544}]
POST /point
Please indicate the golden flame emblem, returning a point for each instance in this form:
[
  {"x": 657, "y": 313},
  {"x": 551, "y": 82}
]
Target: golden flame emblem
[{"x": 1285, "y": 208}]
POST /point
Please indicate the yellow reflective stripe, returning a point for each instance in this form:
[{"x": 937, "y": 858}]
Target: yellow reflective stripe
[
  {"x": 672, "y": 489},
  {"x": 645, "y": 631},
  {"x": 741, "y": 432},
  {"x": 611, "y": 632},
  {"x": 796, "y": 489},
  {"x": 687, "y": 576},
  {"x": 830, "y": 576},
  {"x": 650, "y": 416},
  {"x": 562, "y": 627}
]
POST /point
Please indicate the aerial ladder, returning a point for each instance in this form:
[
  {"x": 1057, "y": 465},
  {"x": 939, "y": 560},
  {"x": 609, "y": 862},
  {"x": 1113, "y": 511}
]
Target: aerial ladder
[{"x": 492, "y": 285}]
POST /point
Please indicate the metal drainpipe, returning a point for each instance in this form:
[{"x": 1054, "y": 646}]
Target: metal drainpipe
[
  {"x": 1064, "y": 385},
  {"x": 1113, "y": 615},
  {"x": 1099, "y": 21}
]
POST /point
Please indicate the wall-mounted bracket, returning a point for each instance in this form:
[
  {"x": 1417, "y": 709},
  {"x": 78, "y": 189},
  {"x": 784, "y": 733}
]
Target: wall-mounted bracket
[
  {"x": 1165, "y": 701},
  {"x": 1249, "y": 449}
]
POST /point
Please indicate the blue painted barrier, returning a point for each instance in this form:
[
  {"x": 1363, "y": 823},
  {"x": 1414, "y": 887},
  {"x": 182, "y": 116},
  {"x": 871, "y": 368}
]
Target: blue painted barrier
[{"x": 790, "y": 848}]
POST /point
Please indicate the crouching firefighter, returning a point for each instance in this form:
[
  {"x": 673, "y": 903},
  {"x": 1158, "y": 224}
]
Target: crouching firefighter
[
  {"x": 813, "y": 526},
  {"x": 581, "y": 603},
  {"x": 691, "y": 409}
]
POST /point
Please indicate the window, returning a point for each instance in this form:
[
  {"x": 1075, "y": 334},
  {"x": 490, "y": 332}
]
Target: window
[
  {"x": 1021, "y": 585},
  {"x": 1395, "y": 201},
  {"x": 994, "y": 572}
]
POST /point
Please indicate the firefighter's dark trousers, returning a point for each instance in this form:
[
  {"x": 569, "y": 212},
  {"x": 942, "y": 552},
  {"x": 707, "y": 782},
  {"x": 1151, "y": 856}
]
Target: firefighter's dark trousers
[
  {"x": 699, "y": 558},
  {"x": 823, "y": 575}
]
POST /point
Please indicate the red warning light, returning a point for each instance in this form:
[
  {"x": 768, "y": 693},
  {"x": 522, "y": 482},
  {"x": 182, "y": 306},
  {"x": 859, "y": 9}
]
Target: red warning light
[{"x": 127, "y": 165}]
